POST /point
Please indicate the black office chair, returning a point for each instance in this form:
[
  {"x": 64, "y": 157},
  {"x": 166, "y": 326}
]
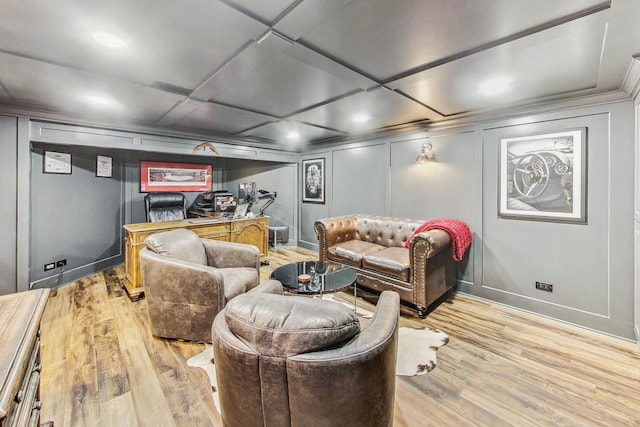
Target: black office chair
[{"x": 165, "y": 206}]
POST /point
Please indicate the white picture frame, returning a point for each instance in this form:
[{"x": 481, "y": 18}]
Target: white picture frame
[{"x": 543, "y": 177}]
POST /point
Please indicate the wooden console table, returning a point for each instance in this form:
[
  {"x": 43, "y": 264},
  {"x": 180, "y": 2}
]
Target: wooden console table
[
  {"x": 253, "y": 231},
  {"x": 20, "y": 316}
]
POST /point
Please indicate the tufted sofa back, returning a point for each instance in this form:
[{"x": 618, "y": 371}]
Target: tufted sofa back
[{"x": 385, "y": 231}]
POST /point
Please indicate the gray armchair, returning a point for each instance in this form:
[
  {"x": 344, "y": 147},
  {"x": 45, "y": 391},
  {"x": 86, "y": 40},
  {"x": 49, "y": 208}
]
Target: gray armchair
[
  {"x": 297, "y": 361},
  {"x": 188, "y": 280}
]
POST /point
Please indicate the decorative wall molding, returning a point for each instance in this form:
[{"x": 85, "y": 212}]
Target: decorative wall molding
[{"x": 631, "y": 82}]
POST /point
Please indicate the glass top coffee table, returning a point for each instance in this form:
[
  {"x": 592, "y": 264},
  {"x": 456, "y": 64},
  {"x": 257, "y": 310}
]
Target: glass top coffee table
[{"x": 315, "y": 278}]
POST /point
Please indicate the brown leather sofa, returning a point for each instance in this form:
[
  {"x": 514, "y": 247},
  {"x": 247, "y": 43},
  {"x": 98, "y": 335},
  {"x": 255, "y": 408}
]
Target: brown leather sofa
[
  {"x": 188, "y": 280},
  {"x": 374, "y": 247},
  {"x": 298, "y": 361}
]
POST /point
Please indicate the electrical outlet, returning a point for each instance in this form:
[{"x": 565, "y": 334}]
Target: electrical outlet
[
  {"x": 49, "y": 266},
  {"x": 61, "y": 263},
  {"x": 547, "y": 287}
]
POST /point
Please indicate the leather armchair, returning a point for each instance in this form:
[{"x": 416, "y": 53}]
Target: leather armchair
[
  {"x": 297, "y": 361},
  {"x": 188, "y": 280},
  {"x": 165, "y": 206}
]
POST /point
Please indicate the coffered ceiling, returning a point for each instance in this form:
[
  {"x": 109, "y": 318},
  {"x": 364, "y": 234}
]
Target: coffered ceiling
[{"x": 286, "y": 73}]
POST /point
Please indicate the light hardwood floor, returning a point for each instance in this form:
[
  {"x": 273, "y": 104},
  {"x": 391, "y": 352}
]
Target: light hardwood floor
[{"x": 102, "y": 367}]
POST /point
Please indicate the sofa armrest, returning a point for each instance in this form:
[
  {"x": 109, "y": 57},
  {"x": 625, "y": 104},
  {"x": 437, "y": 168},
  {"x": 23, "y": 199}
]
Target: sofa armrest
[
  {"x": 223, "y": 254},
  {"x": 424, "y": 248},
  {"x": 333, "y": 230},
  {"x": 432, "y": 242}
]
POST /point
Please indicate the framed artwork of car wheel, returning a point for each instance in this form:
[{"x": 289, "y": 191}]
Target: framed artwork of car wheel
[{"x": 543, "y": 177}]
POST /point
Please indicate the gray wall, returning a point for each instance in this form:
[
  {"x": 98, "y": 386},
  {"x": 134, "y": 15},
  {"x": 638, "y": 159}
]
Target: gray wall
[
  {"x": 8, "y": 218},
  {"x": 276, "y": 177},
  {"x": 77, "y": 217},
  {"x": 135, "y": 210},
  {"x": 591, "y": 265}
]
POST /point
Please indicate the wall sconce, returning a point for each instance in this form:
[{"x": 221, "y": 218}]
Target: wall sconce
[{"x": 426, "y": 154}]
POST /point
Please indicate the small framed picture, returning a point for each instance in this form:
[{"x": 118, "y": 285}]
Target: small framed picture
[
  {"x": 313, "y": 181},
  {"x": 104, "y": 167},
  {"x": 55, "y": 162}
]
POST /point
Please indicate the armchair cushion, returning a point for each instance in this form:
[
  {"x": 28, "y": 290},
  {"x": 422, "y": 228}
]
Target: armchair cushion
[
  {"x": 283, "y": 327},
  {"x": 181, "y": 244}
]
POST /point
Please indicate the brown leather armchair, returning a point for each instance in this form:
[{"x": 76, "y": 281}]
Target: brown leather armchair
[
  {"x": 188, "y": 280},
  {"x": 297, "y": 361}
]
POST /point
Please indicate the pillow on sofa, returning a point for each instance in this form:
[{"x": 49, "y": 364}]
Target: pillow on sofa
[{"x": 283, "y": 326}]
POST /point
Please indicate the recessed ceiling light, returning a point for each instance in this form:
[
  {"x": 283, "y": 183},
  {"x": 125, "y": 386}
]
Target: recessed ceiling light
[
  {"x": 108, "y": 40},
  {"x": 99, "y": 101},
  {"x": 361, "y": 118},
  {"x": 495, "y": 86},
  {"x": 293, "y": 136}
]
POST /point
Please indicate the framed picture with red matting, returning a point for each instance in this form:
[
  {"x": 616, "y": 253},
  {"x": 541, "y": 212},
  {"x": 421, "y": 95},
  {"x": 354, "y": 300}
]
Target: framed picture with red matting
[{"x": 169, "y": 176}]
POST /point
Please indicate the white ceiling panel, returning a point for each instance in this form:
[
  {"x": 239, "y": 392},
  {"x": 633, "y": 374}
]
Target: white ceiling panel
[
  {"x": 79, "y": 93},
  {"x": 180, "y": 43},
  {"x": 291, "y": 134},
  {"x": 386, "y": 38},
  {"x": 559, "y": 60},
  {"x": 265, "y": 69},
  {"x": 267, "y": 11},
  {"x": 220, "y": 118},
  {"x": 269, "y": 77},
  {"x": 366, "y": 111}
]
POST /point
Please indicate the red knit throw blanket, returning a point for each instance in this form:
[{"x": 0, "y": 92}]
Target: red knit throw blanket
[{"x": 459, "y": 231}]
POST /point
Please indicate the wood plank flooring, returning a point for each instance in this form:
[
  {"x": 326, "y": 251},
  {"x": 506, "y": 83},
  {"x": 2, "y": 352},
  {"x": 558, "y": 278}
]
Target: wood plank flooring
[{"x": 502, "y": 367}]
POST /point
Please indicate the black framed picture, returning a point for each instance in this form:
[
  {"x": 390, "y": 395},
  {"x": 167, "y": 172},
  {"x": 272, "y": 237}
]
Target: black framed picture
[
  {"x": 313, "y": 181},
  {"x": 104, "y": 166},
  {"x": 543, "y": 177}
]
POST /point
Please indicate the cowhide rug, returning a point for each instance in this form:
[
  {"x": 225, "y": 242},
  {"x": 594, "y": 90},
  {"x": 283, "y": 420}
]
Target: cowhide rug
[
  {"x": 416, "y": 353},
  {"x": 204, "y": 361}
]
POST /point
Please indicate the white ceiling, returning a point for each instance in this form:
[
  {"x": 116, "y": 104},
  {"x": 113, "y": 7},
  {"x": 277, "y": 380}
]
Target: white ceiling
[{"x": 264, "y": 70}]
